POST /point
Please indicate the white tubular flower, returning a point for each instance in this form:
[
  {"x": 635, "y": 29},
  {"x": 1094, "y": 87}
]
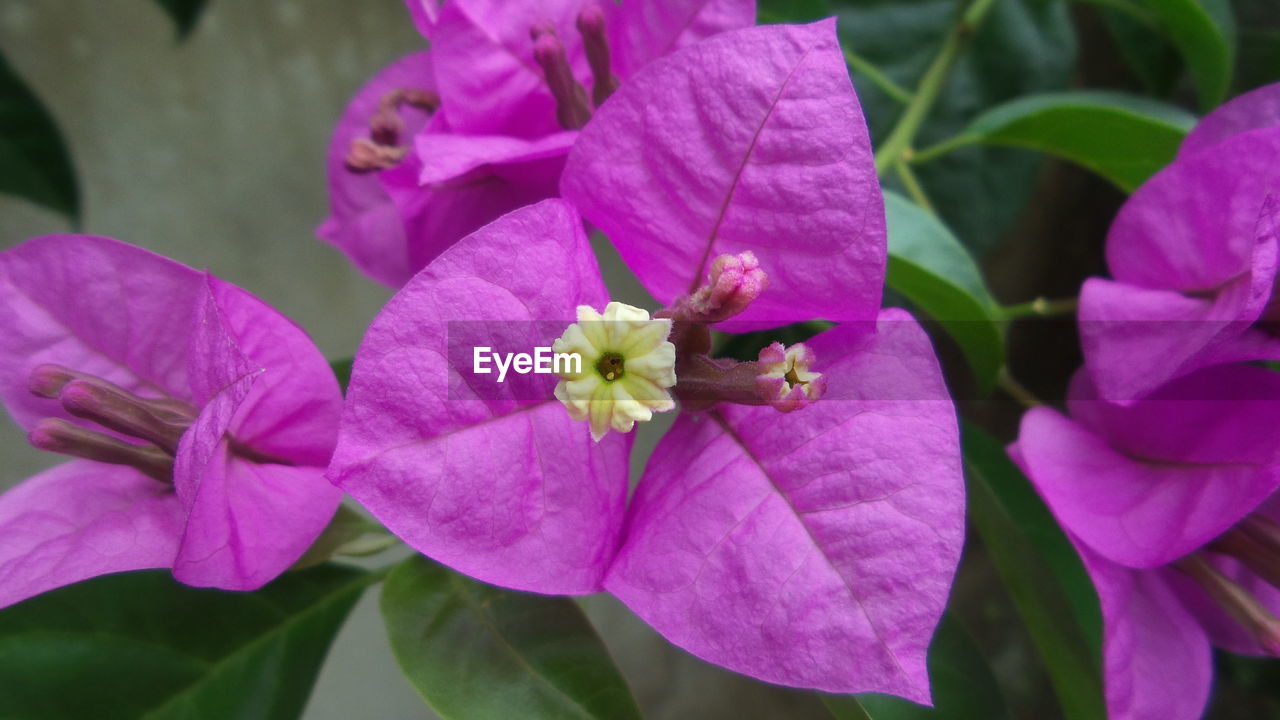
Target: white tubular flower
[{"x": 627, "y": 366}]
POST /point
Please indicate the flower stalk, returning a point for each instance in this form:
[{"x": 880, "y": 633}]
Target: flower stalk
[{"x": 931, "y": 83}]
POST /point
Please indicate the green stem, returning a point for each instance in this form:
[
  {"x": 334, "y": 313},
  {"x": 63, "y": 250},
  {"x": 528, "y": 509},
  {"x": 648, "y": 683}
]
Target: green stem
[
  {"x": 913, "y": 186},
  {"x": 1040, "y": 307},
  {"x": 934, "y": 151},
  {"x": 877, "y": 77},
  {"x": 902, "y": 135},
  {"x": 1016, "y": 390}
]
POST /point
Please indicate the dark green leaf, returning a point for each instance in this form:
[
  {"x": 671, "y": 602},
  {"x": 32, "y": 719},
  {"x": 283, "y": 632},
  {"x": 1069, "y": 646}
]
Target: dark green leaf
[
  {"x": 791, "y": 11},
  {"x": 141, "y": 645},
  {"x": 1124, "y": 138},
  {"x": 34, "y": 162},
  {"x": 1204, "y": 32},
  {"x": 1142, "y": 41},
  {"x": 184, "y": 13},
  {"x": 933, "y": 270},
  {"x": 1041, "y": 571},
  {"x": 1022, "y": 47},
  {"x": 1258, "y": 58},
  {"x": 349, "y": 533},
  {"x": 1245, "y": 687},
  {"x": 474, "y": 651},
  {"x": 960, "y": 677}
]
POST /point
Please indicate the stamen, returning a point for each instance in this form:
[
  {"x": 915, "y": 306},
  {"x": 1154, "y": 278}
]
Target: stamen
[
  {"x": 591, "y": 27},
  {"x": 572, "y": 111},
  {"x": 1237, "y": 602},
  {"x": 59, "y": 436}
]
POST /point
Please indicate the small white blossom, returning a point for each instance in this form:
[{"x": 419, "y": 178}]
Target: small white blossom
[{"x": 627, "y": 366}]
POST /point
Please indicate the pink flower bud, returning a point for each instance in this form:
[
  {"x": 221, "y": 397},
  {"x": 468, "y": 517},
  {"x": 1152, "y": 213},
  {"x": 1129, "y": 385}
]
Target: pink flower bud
[
  {"x": 572, "y": 111},
  {"x": 59, "y": 436},
  {"x": 596, "y": 44},
  {"x": 734, "y": 282}
]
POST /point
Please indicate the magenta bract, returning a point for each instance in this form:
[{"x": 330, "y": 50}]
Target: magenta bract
[
  {"x": 493, "y": 142},
  {"x": 749, "y": 141},
  {"x": 1141, "y": 488},
  {"x": 1193, "y": 254},
  {"x": 246, "y": 493},
  {"x": 813, "y": 548}
]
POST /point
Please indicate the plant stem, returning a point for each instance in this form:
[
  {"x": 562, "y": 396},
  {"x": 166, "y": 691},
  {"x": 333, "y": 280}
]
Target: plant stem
[
  {"x": 913, "y": 186},
  {"x": 1016, "y": 390},
  {"x": 938, "y": 149},
  {"x": 877, "y": 77},
  {"x": 1040, "y": 307},
  {"x": 904, "y": 133}
]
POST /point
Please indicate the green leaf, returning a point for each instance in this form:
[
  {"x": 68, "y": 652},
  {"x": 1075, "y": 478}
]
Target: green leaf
[
  {"x": 1204, "y": 33},
  {"x": 34, "y": 161},
  {"x": 1124, "y": 138},
  {"x": 791, "y": 11},
  {"x": 474, "y": 651},
  {"x": 1022, "y": 47},
  {"x": 959, "y": 675},
  {"x": 342, "y": 369},
  {"x": 1258, "y": 55},
  {"x": 1259, "y": 59},
  {"x": 350, "y": 534},
  {"x": 139, "y": 645},
  {"x": 934, "y": 271},
  {"x": 184, "y": 14},
  {"x": 1041, "y": 571},
  {"x": 1143, "y": 42}
]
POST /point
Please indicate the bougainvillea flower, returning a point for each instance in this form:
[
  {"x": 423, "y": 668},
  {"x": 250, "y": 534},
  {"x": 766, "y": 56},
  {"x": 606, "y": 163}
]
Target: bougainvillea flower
[
  {"x": 1193, "y": 254},
  {"x": 1167, "y": 501},
  {"x": 802, "y": 520},
  {"x": 446, "y": 140},
  {"x": 202, "y": 420}
]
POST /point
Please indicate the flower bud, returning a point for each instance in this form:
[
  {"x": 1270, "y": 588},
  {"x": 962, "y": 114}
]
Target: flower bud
[
  {"x": 596, "y": 44},
  {"x": 733, "y": 283},
  {"x": 59, "y": 436},
  {"x": 572, "y": 111},
  {"x": 124, "y": 412}
]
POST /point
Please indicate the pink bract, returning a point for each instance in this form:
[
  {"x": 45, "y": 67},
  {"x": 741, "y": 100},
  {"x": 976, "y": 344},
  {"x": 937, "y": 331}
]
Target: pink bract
[{"x": 162, "y": 330}]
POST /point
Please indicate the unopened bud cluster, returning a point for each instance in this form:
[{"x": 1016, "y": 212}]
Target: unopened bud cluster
[{"x": 632, "y": 364}]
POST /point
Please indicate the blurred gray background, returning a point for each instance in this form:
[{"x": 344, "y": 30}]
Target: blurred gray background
[{"x": 211, "y": 152}]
